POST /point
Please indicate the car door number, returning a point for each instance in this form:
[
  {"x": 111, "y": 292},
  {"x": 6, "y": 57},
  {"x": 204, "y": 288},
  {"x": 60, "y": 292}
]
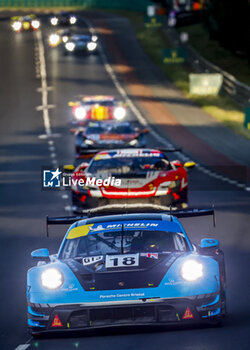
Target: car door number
[{"x": 127, "y": 260}]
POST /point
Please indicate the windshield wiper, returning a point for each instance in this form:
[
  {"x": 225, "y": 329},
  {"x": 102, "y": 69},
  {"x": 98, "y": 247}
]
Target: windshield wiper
[{"x": 109, "y": 244}]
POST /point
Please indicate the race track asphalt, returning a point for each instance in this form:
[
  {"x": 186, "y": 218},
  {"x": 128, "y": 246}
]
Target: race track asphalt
[{"x": 23, "y": 205}]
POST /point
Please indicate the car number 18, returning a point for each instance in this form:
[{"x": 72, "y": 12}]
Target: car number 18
[{"x": 125, "y": 260}]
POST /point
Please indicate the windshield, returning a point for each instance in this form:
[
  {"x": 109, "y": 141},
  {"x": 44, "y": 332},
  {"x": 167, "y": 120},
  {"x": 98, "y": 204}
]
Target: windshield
[
  {"x": 100, "y": 103},
  {"x": 95, "y": 130},
  {"x": 122, "y": 129},
  {"x": 126, "y": 165},
  {"x": 118, "y": 242}
]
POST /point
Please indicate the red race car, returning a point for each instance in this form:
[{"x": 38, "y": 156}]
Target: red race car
[
  {"x": 97, "y": 108},
  {"x": 130, "y": 176}
]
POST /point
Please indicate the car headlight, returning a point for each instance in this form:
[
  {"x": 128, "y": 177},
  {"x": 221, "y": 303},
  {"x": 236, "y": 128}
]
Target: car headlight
[
  {"x": 17, "y": 26},
  {"x": 70, "y": 46},
  {"x": 54, "y": 39},
  {"x": 119, "y": 113},
  {"x": 172, "y": 184},
  {"x": 191, "y": 270},
  {"x": 91, "y": 46},
  {"x": 72, "y": 20},
  {"x": 52, "y": 278},
  {"x": 65, "y": 38},
  {"x": 94, "y": 38},
  {"x": 35, "y": 24},
  {"x": 54, "y": 21},
  {"x": 80, "y": 113},
  {"x": 89, "y": 142},
  {"x": 133, "y": 142}
]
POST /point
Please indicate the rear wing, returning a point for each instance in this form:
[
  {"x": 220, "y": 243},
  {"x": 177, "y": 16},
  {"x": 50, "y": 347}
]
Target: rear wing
[
  {"x": 117, "y": 209},
  {"x": 96, "y": 150},
  {"x": 172, "y": 149}
]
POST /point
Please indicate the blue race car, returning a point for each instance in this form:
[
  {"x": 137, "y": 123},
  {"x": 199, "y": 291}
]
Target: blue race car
[
  {"x": 129, "y": 269},
  {"x": 81, "y": 44}
]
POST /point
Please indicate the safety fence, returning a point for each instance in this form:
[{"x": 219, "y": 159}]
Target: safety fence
[
  {"x": 235, "y": 89},
  {"x": 135, "y": 5}
]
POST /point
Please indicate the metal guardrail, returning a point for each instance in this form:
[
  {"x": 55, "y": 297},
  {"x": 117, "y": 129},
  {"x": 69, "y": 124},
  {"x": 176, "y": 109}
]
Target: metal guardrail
[
  {"x": 136, "y": 5},
  {"x": 40, "y": 3},
  {"x": 235, "y": 89}
]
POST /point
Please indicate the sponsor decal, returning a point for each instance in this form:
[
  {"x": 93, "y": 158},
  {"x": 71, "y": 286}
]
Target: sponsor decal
[
  {"x": 56, "y": 322},
  {"x": 150, "y": 255},
  {"x": 98, "y": 228},
  {"x": 118, "y": 295},
  {"x": 84, "y": 230},
  {"x": 133, "y": 225},
  {"x": 91, "y": 260},
  {"x": 188, "y": 314}
]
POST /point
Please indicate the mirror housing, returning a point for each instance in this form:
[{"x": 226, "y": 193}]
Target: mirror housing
[
  {"x": 189, "y": 164},
  {"x": 69, "y": 168},
  {"x": 40, "y": 254},
  {"x": 209, "y": 243}
]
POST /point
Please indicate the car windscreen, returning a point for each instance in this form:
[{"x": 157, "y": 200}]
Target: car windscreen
[
  {"x": 126, "y": 165},
  {"x": 124, "y": 242},
  {"x": 95, "y": 130},
  {"x": 101, "y": 103},
  {"x": 122, "y": 129}
]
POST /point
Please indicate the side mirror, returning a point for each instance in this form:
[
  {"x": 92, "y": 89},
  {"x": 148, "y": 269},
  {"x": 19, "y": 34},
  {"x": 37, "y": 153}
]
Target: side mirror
[
  {"x": 40, "y": 254},
  {"x": 209, "y": 243},
  {"x": 177, "y": 163},
  {"x": 69, "y": 168},
  {"x": 189, "y": 164},
  {"x": 145, "y": 131}
]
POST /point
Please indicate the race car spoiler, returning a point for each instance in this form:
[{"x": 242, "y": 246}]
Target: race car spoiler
[
  {"x": 86, "y": 153},
  {"x": 117, "y": 209}
]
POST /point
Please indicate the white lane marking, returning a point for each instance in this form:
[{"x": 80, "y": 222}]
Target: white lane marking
[
  {"x": 51, "y": 142},
  {"x": 45, "y": 136},
  {"x": 52, "y": 148},
  {"x": 22, "y": 347},
  {"x": 65, "y": 196},
  {"x": 48, "y": 88},
  {"x": 53, "y": 155},
  {"x": 44, "y": 86},
  {"x": 43, "y": 107},
  {"x": 68, "y": 208},
  {"x": 144, "y": 121}
]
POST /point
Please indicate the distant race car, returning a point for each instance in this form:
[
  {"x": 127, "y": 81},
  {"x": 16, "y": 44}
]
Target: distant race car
[
  {"x": 63, "y": 19},
  {"x": 28, "y": 22},
  {"x": 126, "y": 270},
  {"x": 105, "y": 135},
  {"x": 131, "y": 176},
  {"x": 59, "y": 37},
  {"x": 81, "y": 44},
  {"x": 97, "y": 108}
]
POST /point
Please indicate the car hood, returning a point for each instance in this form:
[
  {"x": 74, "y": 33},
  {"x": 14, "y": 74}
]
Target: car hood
[{"x": 99, "y": 273}]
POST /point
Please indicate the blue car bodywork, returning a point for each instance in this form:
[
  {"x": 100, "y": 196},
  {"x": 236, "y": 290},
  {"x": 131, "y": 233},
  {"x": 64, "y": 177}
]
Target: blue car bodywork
[{"x": 94, "y": 294}]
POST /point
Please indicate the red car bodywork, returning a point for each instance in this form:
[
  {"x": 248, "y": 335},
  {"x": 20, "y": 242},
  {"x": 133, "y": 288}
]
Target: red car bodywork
[{"x": 164, "y": 186}]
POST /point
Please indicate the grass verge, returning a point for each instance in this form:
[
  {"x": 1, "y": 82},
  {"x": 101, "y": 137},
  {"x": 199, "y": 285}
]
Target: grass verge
[
  {"x": 221, "y": 107},
  {"x": 199, "y": 38}
]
